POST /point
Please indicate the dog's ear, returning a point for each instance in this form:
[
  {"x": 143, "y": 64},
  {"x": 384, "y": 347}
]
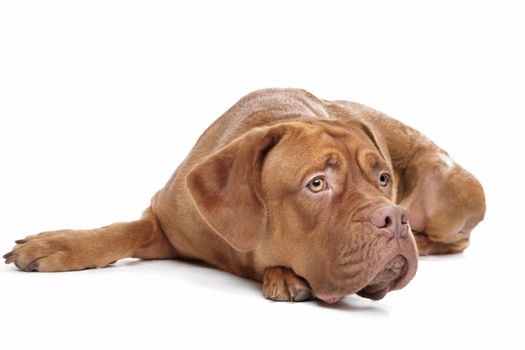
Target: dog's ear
[
  {"x": 380, "y": 145},
  {"x": 225, "y": 187}
]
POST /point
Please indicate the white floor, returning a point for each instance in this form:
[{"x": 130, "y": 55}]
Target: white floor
[{"x": 461, "y": 300}]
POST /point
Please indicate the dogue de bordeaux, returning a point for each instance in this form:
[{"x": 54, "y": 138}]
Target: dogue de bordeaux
[{"x": 312, "y": 198}]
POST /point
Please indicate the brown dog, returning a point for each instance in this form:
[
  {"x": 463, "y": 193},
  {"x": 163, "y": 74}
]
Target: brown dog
[{"x": 309, "y": 197}]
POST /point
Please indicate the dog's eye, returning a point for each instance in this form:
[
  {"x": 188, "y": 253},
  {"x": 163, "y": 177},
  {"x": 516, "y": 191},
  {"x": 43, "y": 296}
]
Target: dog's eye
[
  {"x": 383, "y": 179},
  {"x": 317, "y": 184}
]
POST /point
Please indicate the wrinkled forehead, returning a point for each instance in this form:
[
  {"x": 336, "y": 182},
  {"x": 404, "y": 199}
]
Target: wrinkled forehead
[{"x": 319, "y": 145}]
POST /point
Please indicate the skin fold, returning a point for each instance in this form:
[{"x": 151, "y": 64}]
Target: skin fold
[{"x": 311, "y": 198}]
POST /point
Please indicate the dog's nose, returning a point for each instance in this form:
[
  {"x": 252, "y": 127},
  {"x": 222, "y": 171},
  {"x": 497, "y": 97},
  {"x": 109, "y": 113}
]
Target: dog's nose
[{"x": 392, "y": 218}]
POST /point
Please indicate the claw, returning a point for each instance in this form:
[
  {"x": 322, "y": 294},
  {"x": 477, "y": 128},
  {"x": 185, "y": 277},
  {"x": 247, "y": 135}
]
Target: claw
[
  {"x": 32, "y": 267},
  {"x": 301, "y": 295},
  {"x": 274, "y": 292},
  {"x": 9, "y": 257},
  {"x": 20, "y": 241}
]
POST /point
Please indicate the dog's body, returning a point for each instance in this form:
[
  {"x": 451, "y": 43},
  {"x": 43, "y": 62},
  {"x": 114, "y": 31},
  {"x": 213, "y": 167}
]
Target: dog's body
[{"x": 297, "y": 193}]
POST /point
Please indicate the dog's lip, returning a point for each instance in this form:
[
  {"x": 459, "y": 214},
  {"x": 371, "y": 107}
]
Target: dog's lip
[
  {"x": 375, "y": 295},
  {"x": 405, "y": 276},
  {"x": 408, "y": 272},
  {"x": 398, "y": 283},
  {"x": 380, "y": 294}
]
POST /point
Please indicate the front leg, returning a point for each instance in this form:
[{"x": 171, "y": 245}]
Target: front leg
[
  {"x": 282, "y": 284},
  {"x": 69, "y": 250}
]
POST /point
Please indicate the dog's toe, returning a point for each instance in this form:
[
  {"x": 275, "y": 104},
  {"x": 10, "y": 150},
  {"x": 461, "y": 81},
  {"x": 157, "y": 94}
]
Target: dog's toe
[
  {"x": 300, "y": 294},
  {"x": 282, "y": 284},
  {"x": 31, "y": 267},
  {"x": 9, "y": 257}
]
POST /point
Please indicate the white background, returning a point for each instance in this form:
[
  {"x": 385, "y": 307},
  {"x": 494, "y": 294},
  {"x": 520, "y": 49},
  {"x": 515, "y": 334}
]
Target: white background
[{"x": 100, "y": 101}]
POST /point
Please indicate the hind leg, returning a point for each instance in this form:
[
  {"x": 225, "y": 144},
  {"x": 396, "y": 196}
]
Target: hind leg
[
  {"x": 427, "y": 246},
  {"x": 444, "y": 202},
  {"x": 69, "y": 250}
]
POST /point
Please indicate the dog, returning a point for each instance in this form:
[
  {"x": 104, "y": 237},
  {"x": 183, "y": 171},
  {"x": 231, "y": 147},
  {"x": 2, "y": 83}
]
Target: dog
[{"x": 311, "y": 198}]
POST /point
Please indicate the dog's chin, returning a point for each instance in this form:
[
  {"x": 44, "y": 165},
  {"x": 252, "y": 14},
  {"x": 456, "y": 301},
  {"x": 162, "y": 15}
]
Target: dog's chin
[
  {"x": 394, "y": 275},
  {"x": 330, "y": 299}
]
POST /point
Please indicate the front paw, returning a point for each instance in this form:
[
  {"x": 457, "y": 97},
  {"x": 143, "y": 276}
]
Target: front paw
[
  {"x": 282, "y": 284},
  {"x": 52, "y": 251}
]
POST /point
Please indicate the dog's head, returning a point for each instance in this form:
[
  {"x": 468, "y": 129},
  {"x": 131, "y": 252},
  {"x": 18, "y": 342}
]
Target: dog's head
[{"x": 315, "y": 196}]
